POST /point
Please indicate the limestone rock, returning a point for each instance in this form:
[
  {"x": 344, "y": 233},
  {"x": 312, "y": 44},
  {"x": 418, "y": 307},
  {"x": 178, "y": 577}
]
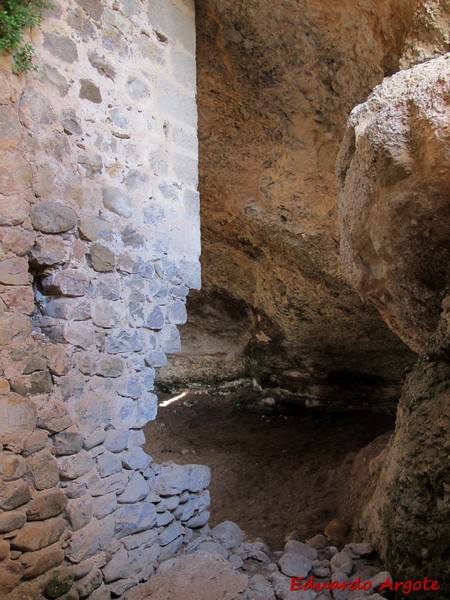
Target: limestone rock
[
  {"x": 395, "y": 182},
  {"x": 94, "y": 228},
  {"x": 11, "y": 467},
  {"x": 295, "y": 565},
  {"x": 44, "y": 470},
  {"x": 41, "y": 561},
  {"x": 13, "y": 210},
  {"x": 67, "y": 442},
  {"x": 102, "y": 258},
  {"x": 46, "y": 505},
  {"x": 296, "y": 547},
  {"x": 17, "y": 414},
  {"x": 14, "y": 271},
  {"x": 52, "y": 217},
  {"x": 38, "y": 535},
  {"x": 228, "y": 533},
  {"x": 116, "y": 201},
  {"x": 11, "y": 520}
]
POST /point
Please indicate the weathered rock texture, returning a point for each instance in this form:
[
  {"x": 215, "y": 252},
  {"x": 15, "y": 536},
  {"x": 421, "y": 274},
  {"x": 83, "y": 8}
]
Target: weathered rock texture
[
  {"x": 395, "y": 200},
  {"x": 100, "y": 241},
  {"x": 395, "y": 209},
  {"x": 276, "y": 84}
]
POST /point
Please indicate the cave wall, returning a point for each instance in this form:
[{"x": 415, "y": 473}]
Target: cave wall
[
  {"x": 394, "y": 171},
  {"x": 276, "y": 85},
  {"x": 100, "y": 244}
]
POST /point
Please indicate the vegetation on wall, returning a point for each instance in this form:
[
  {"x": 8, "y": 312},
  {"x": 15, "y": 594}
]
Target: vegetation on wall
[{"x": 15, "y": 16}]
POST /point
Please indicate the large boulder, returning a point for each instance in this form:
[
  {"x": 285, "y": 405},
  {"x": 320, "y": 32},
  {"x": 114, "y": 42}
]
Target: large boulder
[{"x": 394, "y": 170}]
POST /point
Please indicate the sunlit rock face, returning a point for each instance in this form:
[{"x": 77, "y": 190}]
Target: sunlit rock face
[
  {"x": 395, "y": 208},
  {"x": 275, "y": 86},
  {"x": 395, "y": 201}
]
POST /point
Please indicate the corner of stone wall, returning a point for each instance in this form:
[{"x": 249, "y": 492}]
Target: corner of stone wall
[{"x": 100, "y": 244}]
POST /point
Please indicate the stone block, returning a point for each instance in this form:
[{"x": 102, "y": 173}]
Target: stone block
[
  {"x": 104, "y": 313},
  {"x": 174, "y": 23},
  {"x": 10, "y": 575},
  {"x": 13, "y": 327},
  {"x": 110, "y": 366},
  {"x": 12, "y": 466},
  {"x": 44, "y": 470},
  {"x": 108, "y": 464},
  {"x": 170, "y": 533},
  {"x": 11, "y": 520},
  {"x": 295, "y": 565},
  {"x": 41, "y": 561},
  {"x": 175, "y": 103},
  {"x": 83, "y": 543},
  {"x": 155, "y": 318},
  {"x": 17, "y": 414},
  {"x": 54, "y": 417},
  {"x": 49, "y": 250},
  {"x": 67, "y": 443},
  {"x": 169, "y": 503},
  {"x": 10, "y": 127},
  {"x": 228, "y": 534},
  {"x": 90, "y": 91},
  {"x": 104, "y": 505},
  {"x": 61, "y": 46},
  {"x": 16, "y": 175},
  {"x": 198, "y": 520},
  {"x": 102, "y": 258},
  {"x": 79, "y": 512},
  {"x": 59, "y": 583},
  {"x": 133, "y": 518},
  {"x": 13, "y": 210},
  {"x": 40, "y": 534},
  {"x": 138, "y": 89},
  {"x": 117, "y": 440},
  {"x": 176, "y": 313},
  {"x": 14, "y": 494},
  {"x": 136, "y": 490},
  {"x": 94, "y": 228},
  {"x": 112, "y": 483},
  {"x": 138, "y": 540},
  {"x": 136, "y": 459},
  {"x": 70, "y": 283},
  {"x": 170, "y": 339},
  {"x": 52, "y": 217},
  {"x": 175, "y": 479},
  {"x": 117, "y": 567},
  {"x": 116, "y": 201},
  {"x": 124, "y": 342},
  {"x": 95, "y": 439},
  {"x": 14, "y": 271},
  {"x": 164, "y": 518},
  {"x": 296, "y": 547},
  {"x": 72, "y": 467},
  {"x": 45, "y": 505},
  {"x": 4, "y": 550},
  {"x": 89, "y": 583},
  {"x": 35, "y": 442},
  {"x": 79, "y": 334},
  {"x": 68, "y": 308}
]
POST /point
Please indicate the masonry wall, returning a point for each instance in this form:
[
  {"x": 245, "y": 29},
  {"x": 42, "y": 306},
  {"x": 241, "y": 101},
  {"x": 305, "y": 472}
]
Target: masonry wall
[{"x": 100, "y": 243}]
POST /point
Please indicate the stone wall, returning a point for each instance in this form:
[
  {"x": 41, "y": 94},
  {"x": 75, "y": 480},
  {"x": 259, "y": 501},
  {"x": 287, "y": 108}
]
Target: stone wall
[{"x": 99, "y": 231}]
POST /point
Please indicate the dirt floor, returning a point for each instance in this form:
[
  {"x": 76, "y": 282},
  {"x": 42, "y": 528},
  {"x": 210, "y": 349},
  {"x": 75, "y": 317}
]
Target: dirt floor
[{"x": 271, "y": 474}]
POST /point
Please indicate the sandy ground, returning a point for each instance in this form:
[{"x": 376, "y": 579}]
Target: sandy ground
[{"x": 271, "y": 474}]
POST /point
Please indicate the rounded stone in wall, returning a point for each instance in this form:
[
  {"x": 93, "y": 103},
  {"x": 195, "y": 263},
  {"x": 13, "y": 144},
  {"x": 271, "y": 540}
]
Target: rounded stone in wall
[{"x": 52, "y": 217}]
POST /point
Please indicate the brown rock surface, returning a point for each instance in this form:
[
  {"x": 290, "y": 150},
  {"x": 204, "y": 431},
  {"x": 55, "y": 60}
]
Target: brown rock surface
[
  {"x": 276, "y": 84},
  {"x": 198, "y": 576},
  {"x": 395, "y": 199}
]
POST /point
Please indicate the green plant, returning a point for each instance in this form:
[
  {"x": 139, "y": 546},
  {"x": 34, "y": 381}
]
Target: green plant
[{"x": 15, "y": 16}]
